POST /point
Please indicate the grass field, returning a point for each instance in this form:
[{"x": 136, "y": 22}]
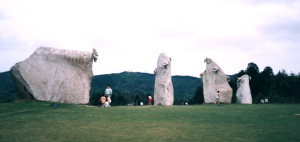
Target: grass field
[{"x": 38, "y": 121}]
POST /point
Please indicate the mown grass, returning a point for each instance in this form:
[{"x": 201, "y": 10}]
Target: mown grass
[{"x": 38, "y": 121}]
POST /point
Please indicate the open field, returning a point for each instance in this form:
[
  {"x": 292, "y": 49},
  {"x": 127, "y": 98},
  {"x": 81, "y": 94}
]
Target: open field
[{"x": 38, "y": 121}]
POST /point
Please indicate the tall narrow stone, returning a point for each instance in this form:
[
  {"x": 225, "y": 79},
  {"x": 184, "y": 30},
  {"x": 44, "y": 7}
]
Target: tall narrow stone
[
  {"x": 55, "y": 75},
  {"x": 243, "y": 94},
  {"x": 163, "y": 89},
  {"x": 214, "y": 79}
]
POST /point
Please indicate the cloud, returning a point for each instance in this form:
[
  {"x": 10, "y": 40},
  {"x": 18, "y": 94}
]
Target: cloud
[{"x": 129, "y": 35}]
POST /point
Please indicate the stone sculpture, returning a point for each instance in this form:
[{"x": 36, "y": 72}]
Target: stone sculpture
[
  {"x": 163, "y": 89},
  {"x": 243, "y": 94},
  {"x": 214, "y": 79},
  {"x": 55, "y": 75}
]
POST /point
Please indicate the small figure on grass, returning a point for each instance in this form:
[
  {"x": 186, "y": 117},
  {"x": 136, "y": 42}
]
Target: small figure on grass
[
  {"x": 102, "y": 100},
  {"x": 218, "y": 98},
  {"x": 106, "y": 102},
  {"x": 150, "y": 99},
  {"x": 266, "y": 100},
  {"x": 262, "y": 101}
]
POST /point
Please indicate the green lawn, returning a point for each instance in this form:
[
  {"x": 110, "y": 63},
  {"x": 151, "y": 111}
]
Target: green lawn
[{"x": 38, "y": 121}]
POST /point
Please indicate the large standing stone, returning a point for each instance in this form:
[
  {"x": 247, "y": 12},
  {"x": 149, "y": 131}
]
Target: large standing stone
[
  {"x": 163, "y": 89},
  {"x": 214, "y": 79},
  {"x": 243, "y": 94},
  {"x": 55, "y": 75}
]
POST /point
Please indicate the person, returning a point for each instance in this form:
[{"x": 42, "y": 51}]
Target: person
[
  {"x": 108, "y": 93},
  {"x": 218, "y": 98},
  {"x": 266, "y": 100},
  {"x": 150, "y": 100},
  {"x": 262, "y": 101},
  {"x": 106, "y": 102},
  {"x": 102, "y": 100}
]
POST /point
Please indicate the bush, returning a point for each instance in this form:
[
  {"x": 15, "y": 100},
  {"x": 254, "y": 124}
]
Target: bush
[{"x": 198, "y": 97}]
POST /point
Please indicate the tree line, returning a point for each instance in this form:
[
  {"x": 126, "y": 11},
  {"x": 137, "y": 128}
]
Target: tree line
[{"x": 278, "y": 88}]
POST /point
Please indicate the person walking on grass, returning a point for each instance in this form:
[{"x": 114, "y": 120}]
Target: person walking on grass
[
  {"x": 218, "y": 98},
  {"x": 102, "y": 100},
  {"x": 150, "y": 100},
  {"x": 108, "y": 93}
]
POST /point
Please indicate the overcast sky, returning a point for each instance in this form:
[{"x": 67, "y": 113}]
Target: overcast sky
[{"x": 130, "y": 35}]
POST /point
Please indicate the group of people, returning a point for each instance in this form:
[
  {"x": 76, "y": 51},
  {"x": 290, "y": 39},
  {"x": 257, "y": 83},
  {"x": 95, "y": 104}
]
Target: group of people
[
  {"x": 106, "y": 98},
  {"x": 149, "y": 100},
  {"x": 264, "y": 101}
]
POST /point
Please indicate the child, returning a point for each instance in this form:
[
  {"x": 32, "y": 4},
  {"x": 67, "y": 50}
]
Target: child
[
  {"x": 103, "y": 100},
  {"x": 106, "y": 102},
  {"x": 266, "y": 100},
  {"x": 150, "y": 100},
  {"x": 262, "y": 101},
  {"x": 218, "y": 98}
]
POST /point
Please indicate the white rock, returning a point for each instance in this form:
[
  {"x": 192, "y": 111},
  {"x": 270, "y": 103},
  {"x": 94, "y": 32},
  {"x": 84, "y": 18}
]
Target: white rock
[
  {"x": 214, "y": 79},
  {"x": 55, "y": 75},
  {"x": 243, "y": 94},
  {"x": 163, "y": 89}
]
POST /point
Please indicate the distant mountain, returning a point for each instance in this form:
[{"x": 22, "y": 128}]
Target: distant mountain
[
  {"x": 6, "y": 83},
  {"x": 7, "y": 88},
  {"x": 121, "y": 83},
  {"x": 143, "y": 83}
]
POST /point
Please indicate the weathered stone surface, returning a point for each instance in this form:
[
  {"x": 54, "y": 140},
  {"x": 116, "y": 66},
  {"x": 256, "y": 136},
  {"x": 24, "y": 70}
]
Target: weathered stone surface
[
  {"x": 243, "y": 94},
  {"x": 214, "y": 79},
  {"x": 163, "y": 89},
  {"x": 55, "y": 75}
]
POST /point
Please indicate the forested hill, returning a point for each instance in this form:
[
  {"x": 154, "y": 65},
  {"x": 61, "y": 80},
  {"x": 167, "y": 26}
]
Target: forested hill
[
  {"x": 133, "y": 83},
  {"x": 143, "y": 83},
  {"x": 7, "y": 88}
]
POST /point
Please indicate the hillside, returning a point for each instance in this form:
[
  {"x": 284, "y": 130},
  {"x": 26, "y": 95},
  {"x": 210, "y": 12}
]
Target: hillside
[
  {"x": 121, "y": 83},
  {"x": 7, "y": 88},
  {"x": 143, "y": 83}
]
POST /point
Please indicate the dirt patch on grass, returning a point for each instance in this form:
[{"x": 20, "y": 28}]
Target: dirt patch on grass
[
  {"x": 16, "y": 112},
  {"x": 139, "y": 107},
  {"x": 89, "y": 106}
]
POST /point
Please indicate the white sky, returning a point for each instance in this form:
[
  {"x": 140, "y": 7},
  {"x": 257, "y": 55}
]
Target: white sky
[{"x": 130, "y": 35}]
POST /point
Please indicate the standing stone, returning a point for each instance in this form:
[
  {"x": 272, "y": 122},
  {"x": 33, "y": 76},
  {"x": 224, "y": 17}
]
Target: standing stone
[
  {"x": 55, "y": 75},
  {"x": 243, "y": 94},
  {"x": 214, "y": 79},
  {"x": 163, "y": 89}
]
